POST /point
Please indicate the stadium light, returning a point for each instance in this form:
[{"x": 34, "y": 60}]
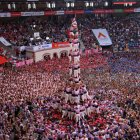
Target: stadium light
[
  {"x": 48, "y": 5},
  {"x": 91, "y": 4},
  {"x": 86, "y": 4},
  {"x": 29, "y": 6},
  {"x": 130, "y": 4},
  {"x": 34, "y": 6},
  {"x": 67, "y": 4},
  {"x": 125, "y": 4},
  {"x": 13, "y": 5},
  {"x": 72, "y": 4},
  {"x": 106, "y": 3},
  {"x": 9, "y": 6},
  {"x": 53, "y": 5}
]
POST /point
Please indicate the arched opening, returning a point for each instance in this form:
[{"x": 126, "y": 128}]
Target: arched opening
[
  {"x": 47, "y": 57},
  {"x": 55, "y": 55},
  {"x": 63, "y": 54}
]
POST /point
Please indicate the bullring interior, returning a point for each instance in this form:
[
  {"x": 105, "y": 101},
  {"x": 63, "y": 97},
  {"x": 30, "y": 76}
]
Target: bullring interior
[{"x": 69, "y": 69}]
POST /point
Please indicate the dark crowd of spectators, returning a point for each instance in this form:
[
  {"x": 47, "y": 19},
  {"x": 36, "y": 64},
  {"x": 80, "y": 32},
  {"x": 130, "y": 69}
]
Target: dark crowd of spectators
[
  {"x": 122, "y": 29},
  {"x": 20, "y": 31}
]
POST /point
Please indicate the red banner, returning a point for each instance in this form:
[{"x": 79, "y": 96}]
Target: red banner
[
  {"x": 125, "y": 2},
  {"x": 99, "y": 11},
  {"x": 79, "y": 11},
  {"x": 69, "y": 12},
  {"x": 129, "y": 10},
  {"x": 15, "y": 14},
  {"x": 109, "y": 11},
  {"x": 60, "y": 45},
  {"x": 49, "y": 13}
]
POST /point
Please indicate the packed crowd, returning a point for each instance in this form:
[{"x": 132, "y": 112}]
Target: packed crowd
[
  {"x": 122, "y": 30},
  {"x": 19, "y": 32},
  {"x": 28, "y": 95}
]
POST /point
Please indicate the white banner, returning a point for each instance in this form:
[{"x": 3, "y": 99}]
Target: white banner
[
  {"x": 4, "y": 41},
  {"x": 41, "y": 13},
  {"x": 59, "y": 12},
  {"x": 102, "y": 36},
  {"x": 5, "y": 14},
  {"x": 136, "y": 10},
  {"x": 39, "y": 47},
  {"x": 46, "y": 46}
]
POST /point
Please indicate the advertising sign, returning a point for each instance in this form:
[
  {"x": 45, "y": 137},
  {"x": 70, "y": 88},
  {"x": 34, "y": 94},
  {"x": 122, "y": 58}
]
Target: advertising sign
[{"x": 102, "y": 36}]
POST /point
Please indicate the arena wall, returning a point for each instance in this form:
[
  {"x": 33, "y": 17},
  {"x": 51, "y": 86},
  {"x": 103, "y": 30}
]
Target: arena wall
[{"x": 39, "y": 55}]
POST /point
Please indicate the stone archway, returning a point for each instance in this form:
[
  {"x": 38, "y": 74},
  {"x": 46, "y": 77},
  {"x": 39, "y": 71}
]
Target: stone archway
[
  {"x": 46, "y": 56},
  {"x": 55, "y": 55},
  {"x": 63, "y": 54}
]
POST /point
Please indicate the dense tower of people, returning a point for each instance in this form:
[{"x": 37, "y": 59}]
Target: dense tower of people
[{"x": 77, "y": 99}]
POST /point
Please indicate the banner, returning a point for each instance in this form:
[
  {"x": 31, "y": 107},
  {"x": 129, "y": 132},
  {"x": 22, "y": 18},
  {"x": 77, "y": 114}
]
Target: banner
[
  {"x": 15, "y": 14},
  {"x": 39, "y": 47},
  {"x": 3, "y": 60},
  {"x": 4, "y": 41},
  {"x": 136, "y": 10},
  {"x": 41, "y": 13},
  {"x": 46, "y": 46},
  {"x": 102, "y": 36},
  {"x": 5, "y": 14},
  {"x": 60, "y": 45},
  {"x": 69, "y": 12},
  {"x": 59, "y": 13},
  {"x": 49, "y": 13},
  {"x": 62, "y": 12}
]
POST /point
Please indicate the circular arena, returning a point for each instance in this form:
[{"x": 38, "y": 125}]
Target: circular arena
[{"x": 70, "y": 70}]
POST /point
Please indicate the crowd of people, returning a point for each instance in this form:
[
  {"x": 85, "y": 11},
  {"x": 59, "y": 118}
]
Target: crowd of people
[
  {"x": 122, "y": 30},
  {"x": 19, "y": 32},
  {"x": 28, "y": 95}
]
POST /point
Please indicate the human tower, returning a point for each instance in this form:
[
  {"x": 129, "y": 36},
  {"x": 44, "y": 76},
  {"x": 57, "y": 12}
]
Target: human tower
[{"x": 78, "y": 103}]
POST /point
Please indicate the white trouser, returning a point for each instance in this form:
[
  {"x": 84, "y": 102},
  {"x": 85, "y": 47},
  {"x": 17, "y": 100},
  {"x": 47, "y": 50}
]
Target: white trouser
[
  {"x": 71, "y": 115},
  {"x": 75, "y": 99},
  {"x": 79, "y": 70},
  {"x": 70, "y": 71},
  {"x": 87, "y": 96},
  {"x": 76, "y": 72},
  {"x": 77, "y": 117},
  {"x": 82, "y": 114},
  {"x": 60, "y": 108},
  {"x": 70, "y": 58},
  {"x": 71, "y": 98},
  {"x": 88, "y": 111},
  {"x": 66, "y": 97},
  {"x": 93, "y": 109},
  {"x": 64, "y": 113},
  {"x": 84, "y": 97}
]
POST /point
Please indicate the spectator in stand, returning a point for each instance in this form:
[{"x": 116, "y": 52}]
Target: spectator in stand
[{"x": 122, "y": 30}]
